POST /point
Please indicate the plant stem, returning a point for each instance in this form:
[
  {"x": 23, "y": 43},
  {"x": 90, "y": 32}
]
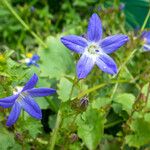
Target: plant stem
[
  {"x": 23, "y": 23},
  {"x": 58, "y": 120},
  {"x": 74, "y": 83},
  {"x": 126, "y": 61},
  {"x": 109, "y": 125},
  {"x": 114, "y": 90},
  {"x": 98, "y": 87},
  {"x": 146, "y": 19},
  {"x": 55, "y": 131}
]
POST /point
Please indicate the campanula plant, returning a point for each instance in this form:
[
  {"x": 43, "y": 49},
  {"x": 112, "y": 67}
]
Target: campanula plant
[
  {"x": 94, "y": 49},
  {"x": 99, "y": 112},
  {"x": 24, "y": 99}
]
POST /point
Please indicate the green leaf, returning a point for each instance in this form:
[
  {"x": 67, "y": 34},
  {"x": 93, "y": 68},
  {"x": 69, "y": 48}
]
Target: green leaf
[
  {"x": 101, "y": 102},
  {"x": 7, "y": 140},
  {"x": 126, "y": 100},
  {"x": 31, "y": 125},
  {"x": 64, "y": 89},
  {"x": 90, "y": 127},
  {"x": 42, "y": 102},
  {"x": 52, "y": 121},
  {"x": 140, "y": 135},
  {"x": 56, "y": 60}
]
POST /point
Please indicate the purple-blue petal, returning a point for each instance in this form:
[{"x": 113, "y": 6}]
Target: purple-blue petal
[
  {"x": 112, "y": 43},
  {"x": 8, "y": 101},
  {"x": 146, "y": 36},
  {"x": 106, "y": 64},
  {"x": 31, "y": 83},
  {"x": 146, "y": 47},
  {"x": 31, "y": 107},
  {"x": 74, "y": 43},
  {"x": 40, "y": 92},
  {"x": 95, "y": 30},
  {"x": 14, "y": 114},
  {"x": 35, "y": 57},
  {"x": 84, "y": 66}
]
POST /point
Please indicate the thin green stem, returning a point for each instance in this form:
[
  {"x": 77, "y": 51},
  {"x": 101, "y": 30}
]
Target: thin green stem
[
  {"x": 114, "y": 90},
  {"x": 55, "y": 131},
  {"x": 58, "y": 121},
  {"x": 109, "y": 125},
  {"x": 74, "y": 83},
  {"x": 138, "y": 87},
  {"x": 146, "y": 19},
  {"x": 126, "y": 61},
  {"x": 98, "y": 87},
  {"x": 23, "y": 23}
]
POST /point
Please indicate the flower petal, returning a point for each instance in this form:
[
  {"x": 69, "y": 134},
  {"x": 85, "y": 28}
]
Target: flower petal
[
  {"x": 74, "y": 43},
  {"x": 40, "y": 92},
  {"x": 14, "y": 114},
  {"x": 31, "y": 107},
  {"x": 106, "y": 64},
  {"x": 112, "y": 43},
  {"x": 146, "y": 36},
  {"x": 84, "y": 66},
  {"x": 146, "y": 47},
  {"x": 35, "y": 57},
  {"x": 94, "y": 32},
  {"x": 31, "y": 83},
  {"x": 8, "y": 101}
]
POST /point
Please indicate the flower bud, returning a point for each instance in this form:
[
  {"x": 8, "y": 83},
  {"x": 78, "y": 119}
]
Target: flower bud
[
  {"x": 73, "y": 137},
  {"x": 84, "y": 102}
]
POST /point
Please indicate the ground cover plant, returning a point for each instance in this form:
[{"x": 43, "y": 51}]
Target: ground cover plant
[{"x": 75, "y": 75}]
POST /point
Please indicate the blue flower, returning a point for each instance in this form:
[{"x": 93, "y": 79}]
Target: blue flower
[
  {"x": 121, "y": 6},
  {"x": 23, "y": 99},
  {"x": 33, "y": 60},
  {"x": 94, "y": 49},
  {"x": 146, "y": 38}
]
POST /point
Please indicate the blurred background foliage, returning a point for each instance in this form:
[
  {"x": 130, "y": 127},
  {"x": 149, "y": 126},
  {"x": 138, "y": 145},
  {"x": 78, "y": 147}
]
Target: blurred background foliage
[{"x": 50, "y": 19}]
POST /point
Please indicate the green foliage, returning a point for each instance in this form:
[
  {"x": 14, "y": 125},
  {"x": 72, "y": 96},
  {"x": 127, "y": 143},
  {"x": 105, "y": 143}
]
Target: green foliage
[
  {"x": 7, "y": 140},
  {"x": 140, "y": 135},
  {"x": 101, "y": 102},
  {"x": 100, "y": 112},
  {"x": 64, "y": 94},
  {"x": 56, "y": 60},
  {"x": 125, "y": 100},
  {"x": 91, "y": 127}
]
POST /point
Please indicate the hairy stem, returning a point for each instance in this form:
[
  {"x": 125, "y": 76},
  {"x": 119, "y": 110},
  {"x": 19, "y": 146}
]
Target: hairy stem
[{"x": 55, "y": 131}]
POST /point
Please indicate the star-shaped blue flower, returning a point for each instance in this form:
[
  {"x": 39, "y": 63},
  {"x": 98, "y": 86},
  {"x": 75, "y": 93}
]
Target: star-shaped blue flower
[
  {"x": 146, "y": 38},
  {"x": 33, "y": 60},
  {"x": 24, "y": 99},
  {"x": 94, "y": 49}
]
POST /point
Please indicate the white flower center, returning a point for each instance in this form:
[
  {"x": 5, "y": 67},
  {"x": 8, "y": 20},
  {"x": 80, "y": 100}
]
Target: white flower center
[
  {"x": 27, "y": 60},
  {"x": 17, "y": 90},
  {"x": 94, "y": 49}
]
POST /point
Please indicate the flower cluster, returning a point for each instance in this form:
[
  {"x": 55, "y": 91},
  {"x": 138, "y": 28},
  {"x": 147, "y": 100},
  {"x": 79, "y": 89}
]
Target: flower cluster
[{"x": 93, "y": 49}]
